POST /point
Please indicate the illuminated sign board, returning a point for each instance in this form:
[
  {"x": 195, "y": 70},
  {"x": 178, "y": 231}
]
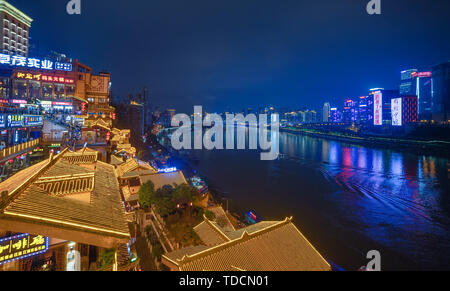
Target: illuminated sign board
[
  {"x": 396, "y": 109},
  {"x": 32, "y": 63},
  {"x": 22, "y": 246},
  {"x": 14, "y": 120},
  {"x": 2, "y": 121},
  {"x": 17, "y": 101},
  {"x": 44, "y": 78},
  {"x": 61, "y": 103},
  {"x": 421, "y": 74},
  {"x": 378, "y": 108},
  {"x": 33, "y": 120}
]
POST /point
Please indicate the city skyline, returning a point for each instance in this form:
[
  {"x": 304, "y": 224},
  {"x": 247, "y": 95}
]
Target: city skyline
[{"x": 268, "y": 58}]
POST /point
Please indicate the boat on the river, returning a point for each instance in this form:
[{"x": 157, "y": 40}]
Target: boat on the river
[{"x": 252, "y": 218}]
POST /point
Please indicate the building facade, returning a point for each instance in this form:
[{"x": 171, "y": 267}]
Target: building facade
[
  {"x": 326, "y": 112},
  {"x": 15, "y": 29},
  {"x": 440, "y": 100}
]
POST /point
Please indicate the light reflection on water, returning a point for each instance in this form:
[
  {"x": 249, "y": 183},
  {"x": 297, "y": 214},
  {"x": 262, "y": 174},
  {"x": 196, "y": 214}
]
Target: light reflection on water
[
  {"x": 395, "y": 197},
  {"x": 348, "y": 199}
]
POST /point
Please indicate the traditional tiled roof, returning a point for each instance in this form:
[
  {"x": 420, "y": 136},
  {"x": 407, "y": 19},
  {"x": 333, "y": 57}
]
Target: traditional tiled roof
[
  {"x": 162, "y": 179},
  {"x": 211, "y": 234},
  {"x": 277, "y": 246},
  {"x": 51, "y": 196},
  {"x": 222, "y": 217},
  {"x": 87, "y": 157},
  {"x": 133, "y": 168},
  {"x": 116, "y": 161}
]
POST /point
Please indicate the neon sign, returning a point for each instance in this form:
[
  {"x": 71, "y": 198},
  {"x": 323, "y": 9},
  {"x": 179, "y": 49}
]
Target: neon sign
[
  {"x": 33, "y": 120},
  {"x": 421, "y": 74},
  {"x": 378, "y": 108},
  {"x": 396, "y": 108},
  {"x": 32, "y": 63},
  {"x": 22, "y": 246},
  {"x": 56, "y": 103},
  {"x": 45, "y": 78}
]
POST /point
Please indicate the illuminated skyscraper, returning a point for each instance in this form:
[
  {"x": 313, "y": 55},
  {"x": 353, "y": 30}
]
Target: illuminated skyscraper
[
  {"x": 419, "y": 84},
  {"x": 350, "y": 112},
  {"x": 326, "y": 112},
  {"x": 365, "y": 109}
]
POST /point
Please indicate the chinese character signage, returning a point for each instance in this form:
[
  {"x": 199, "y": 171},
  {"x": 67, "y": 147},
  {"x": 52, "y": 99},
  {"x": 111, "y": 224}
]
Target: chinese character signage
[
  {"x": 378, "y": 108},
  {"x": 44, "y": 78},
  {"x": 14, "y": 120},
  {"x": 22, "y": 246},
  {"x": 396, "y": 108},
  {"x": 32, "y": 63}
]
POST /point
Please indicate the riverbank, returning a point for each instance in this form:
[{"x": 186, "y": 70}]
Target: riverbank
[{"x": 438, "y": 148}]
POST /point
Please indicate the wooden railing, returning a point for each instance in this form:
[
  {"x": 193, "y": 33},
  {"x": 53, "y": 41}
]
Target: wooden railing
[{"x": 18, "y": 148}]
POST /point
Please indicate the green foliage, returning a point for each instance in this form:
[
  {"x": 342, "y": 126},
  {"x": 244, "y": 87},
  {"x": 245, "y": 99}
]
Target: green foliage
[
  {"x": 210, "y": 215},
  {"x": 167, "y": 198},
  {"x": 107, "y": 258},
  {"x": 146, "y": 194}
]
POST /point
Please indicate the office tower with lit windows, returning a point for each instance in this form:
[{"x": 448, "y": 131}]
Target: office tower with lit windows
[
  {"x": 350, "y": 112},
  {"x": 336, "y": 115},
  {"x": 418, "y": 83},
  {"x": 365, "y": 109},
  {"x": 15, "y": 29}
]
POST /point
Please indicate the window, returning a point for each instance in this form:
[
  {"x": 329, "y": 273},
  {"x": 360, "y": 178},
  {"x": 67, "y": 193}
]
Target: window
[
  {"x": 19, "y": 89},
  {"x": 47, "y": 90},
  {"x": 4, "y": 88},
  {"x": 59, "y": 91},
  {"x": 35, "y": 89},
  {"x": 70, "y": 90}
]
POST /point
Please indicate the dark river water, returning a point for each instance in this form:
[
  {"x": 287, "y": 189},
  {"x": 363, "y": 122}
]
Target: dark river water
[{"x": 347, "y": 199}]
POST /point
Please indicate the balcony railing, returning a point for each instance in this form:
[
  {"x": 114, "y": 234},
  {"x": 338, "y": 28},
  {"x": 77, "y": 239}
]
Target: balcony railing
[{"x": 18, "y": 148}]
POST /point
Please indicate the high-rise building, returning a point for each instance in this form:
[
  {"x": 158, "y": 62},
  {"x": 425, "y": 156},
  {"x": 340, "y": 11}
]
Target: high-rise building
[
  {"x": 408, "y": 84},
  {"x": 136, "y": 113},
  {"x": 15, "y": 28},
  {"x": 404, "y": 110},
  {"x": 336, "y": 115},
  {"x": 326, "y": 112},
  {"x": 365, "y": 109},
  {"x": 382, "y": 105},
  {"x": 440, "y": 100},
  {"x": 419, "y": 84},
  {"x": 310, "y": 116},
  {"x": 350, "y": 112}
]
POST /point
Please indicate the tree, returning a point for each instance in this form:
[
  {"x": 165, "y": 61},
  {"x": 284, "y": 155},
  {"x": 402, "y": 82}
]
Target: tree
[{"x": 147, "y": 194}]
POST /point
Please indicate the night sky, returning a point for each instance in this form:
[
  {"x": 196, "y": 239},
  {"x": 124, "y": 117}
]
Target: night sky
[{"x": 246, "y": 53}]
